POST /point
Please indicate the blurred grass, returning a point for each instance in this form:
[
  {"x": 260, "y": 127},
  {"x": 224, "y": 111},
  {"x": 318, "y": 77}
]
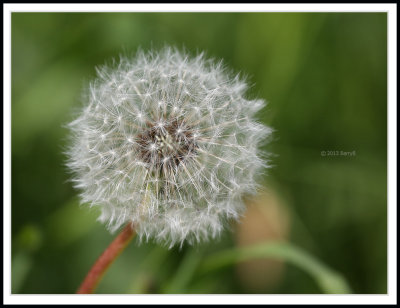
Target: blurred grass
[
  {"x": 328, "y": 281},
  {"x": 324, "y": 76}
]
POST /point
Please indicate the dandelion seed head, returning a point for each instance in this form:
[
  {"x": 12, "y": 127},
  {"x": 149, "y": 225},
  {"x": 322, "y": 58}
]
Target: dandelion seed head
[{"x": 169, "y": 143}]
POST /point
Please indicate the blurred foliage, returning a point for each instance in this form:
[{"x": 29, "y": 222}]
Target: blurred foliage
[{"x": 324, "y": 76}]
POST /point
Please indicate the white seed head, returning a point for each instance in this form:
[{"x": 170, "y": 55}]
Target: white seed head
[{"x": 169, "y": 143}]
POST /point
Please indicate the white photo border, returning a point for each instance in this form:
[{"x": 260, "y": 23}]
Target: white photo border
[{"x": 390, "y": 298}]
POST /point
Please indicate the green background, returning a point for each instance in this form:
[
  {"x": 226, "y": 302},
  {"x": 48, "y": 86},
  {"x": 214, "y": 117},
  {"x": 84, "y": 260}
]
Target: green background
[{"x": 324, "y": 77}]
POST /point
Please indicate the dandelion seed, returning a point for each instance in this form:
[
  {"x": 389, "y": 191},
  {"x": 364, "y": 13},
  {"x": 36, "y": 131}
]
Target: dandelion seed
[{"x": 177, "y": 142}]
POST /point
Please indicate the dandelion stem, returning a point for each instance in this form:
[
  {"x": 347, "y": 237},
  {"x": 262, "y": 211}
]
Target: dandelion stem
[{"x": 97, "y": 271}]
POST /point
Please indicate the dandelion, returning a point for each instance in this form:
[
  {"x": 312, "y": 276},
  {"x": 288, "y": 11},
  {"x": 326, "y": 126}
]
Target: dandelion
[{"x": 168, "y": 143}]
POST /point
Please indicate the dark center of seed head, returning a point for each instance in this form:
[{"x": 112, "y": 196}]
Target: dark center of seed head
[{"x": 166, "y": 144}]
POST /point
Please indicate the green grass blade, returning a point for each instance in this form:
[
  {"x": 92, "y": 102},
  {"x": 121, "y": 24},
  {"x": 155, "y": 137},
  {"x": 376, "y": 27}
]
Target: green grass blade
[
  {"x": 328, "y": 280},
  {"x": 21, "y": 265},
  {"x": 184, "y": 274}
]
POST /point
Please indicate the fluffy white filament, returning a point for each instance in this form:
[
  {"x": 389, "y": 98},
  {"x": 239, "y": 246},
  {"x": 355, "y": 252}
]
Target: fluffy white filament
[{"x": 169, "y": 143}]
